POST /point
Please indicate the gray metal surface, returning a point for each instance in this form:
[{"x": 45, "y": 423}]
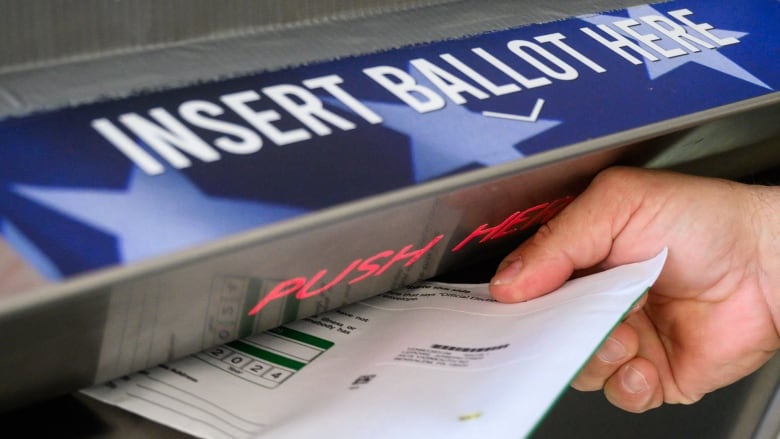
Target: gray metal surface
[
  {"x": 124, "y": 49},
  {"x": 47, "y": 33}
]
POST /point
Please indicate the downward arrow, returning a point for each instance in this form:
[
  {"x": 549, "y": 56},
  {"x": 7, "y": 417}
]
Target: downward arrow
[{"x": 532, "y": 118}]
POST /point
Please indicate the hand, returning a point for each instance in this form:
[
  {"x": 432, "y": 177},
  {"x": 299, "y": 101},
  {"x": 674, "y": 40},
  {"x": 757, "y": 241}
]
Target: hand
[{"x": 713, "y": 315}]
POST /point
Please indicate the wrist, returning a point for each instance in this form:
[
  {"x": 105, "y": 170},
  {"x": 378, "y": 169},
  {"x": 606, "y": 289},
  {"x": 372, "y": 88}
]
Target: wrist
[{"x": 766, "y": 221}]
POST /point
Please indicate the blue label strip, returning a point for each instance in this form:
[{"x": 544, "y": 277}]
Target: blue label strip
[{"x": 118, "y": 181}]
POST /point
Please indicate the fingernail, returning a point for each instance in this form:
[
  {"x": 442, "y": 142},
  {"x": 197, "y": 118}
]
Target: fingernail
[
  {"x": 639, "y": 304},
  {"x": 507, "y": 274},
  {"x": 612, "y": 351},
  {"x": 634, "y": 381}
]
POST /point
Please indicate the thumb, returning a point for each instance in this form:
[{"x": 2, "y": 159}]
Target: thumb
[{"x": 579, "y": 237}]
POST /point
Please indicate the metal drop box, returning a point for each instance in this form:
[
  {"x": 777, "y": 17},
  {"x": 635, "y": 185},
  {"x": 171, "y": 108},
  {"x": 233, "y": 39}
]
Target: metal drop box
[{"x": 126, "y": 69}]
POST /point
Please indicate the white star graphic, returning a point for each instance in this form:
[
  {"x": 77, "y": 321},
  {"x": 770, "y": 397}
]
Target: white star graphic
[
  {"x": 157, "y": 214},
  {"x": 448, "y": 139},
  {"x": 707, "y": 57}
]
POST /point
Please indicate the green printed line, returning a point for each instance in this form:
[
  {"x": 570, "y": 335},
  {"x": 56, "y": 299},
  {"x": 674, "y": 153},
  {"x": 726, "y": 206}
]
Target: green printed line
[
  {"x": 246, "y": 327},
  {"x": 266, "y": 355},
  {"x": 303, "y": 337}
]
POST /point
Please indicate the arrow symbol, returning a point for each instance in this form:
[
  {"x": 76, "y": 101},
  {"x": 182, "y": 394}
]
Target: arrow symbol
[{"x": 532, "y": 118}]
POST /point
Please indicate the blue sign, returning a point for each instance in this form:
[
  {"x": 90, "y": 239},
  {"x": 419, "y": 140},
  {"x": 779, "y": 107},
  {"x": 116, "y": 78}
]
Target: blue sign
[{"x": 122, "y": 180}]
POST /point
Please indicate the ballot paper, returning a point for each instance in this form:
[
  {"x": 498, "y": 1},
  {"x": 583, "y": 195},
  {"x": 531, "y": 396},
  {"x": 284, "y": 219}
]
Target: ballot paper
[{"x": 429, "y": 360}]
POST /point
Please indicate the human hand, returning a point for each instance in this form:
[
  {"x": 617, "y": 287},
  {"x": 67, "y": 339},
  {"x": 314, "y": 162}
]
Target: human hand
[{"x": 713, "y": 315}]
